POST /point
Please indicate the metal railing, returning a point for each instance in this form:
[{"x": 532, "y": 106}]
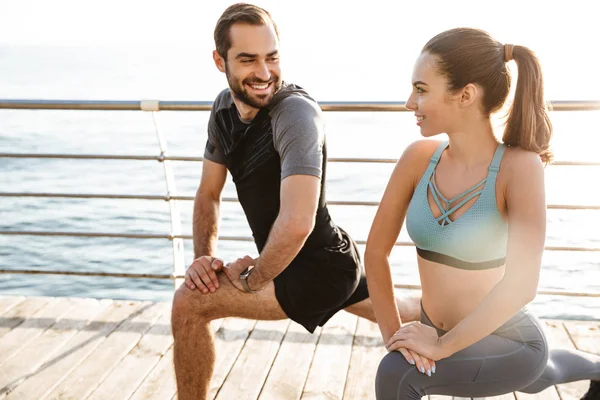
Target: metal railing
[
  {"x": 172, "y": 197},
  {"x": 157, "y": 105}
]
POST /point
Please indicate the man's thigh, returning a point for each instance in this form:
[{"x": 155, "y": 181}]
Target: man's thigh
[{"x": 228, "y": 301}]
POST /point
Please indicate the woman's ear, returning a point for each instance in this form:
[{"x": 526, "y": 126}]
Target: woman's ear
[{"x": 468, "y": 95}]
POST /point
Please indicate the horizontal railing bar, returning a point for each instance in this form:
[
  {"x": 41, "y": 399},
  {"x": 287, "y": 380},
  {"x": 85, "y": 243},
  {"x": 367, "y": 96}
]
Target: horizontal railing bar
[
  {"x": 90, "y": 234},
  {"x": 223, "y": 238},
  {"x": 171, "y": 276},
  {"x": 539, "y": 292},
  {"x": 84, "y": 156},
  {"x": 97, "y": 196},
  {"x": 106, "y": 105},
  {"x": 395, "y": 160},
  {"x": 199, "y": 159},
  {"x": 571, "y": 207},
  {"x": 158, "y": 105},
  {"x": 81, "y": 273},
  {"x": 571, "y": 248},
  {"x": 229, "y": 199}
]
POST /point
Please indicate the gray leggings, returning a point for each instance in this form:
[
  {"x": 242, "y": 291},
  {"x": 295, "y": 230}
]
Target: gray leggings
[{"x": 513, "y": 358}]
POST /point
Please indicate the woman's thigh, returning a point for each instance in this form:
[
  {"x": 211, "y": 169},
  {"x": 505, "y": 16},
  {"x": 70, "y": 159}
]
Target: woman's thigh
[{"x": 495, "y": 365}]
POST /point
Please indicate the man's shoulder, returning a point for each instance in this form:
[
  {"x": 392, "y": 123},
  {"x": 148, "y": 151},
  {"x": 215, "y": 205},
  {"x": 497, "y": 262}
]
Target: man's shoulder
[
  {"x": 292, "y": 101},
  {"x": 223, "y": 100}
]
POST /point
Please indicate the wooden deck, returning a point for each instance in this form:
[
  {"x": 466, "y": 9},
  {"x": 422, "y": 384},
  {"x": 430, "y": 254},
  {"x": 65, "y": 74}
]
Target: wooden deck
[{"x": 71, "y": 348}]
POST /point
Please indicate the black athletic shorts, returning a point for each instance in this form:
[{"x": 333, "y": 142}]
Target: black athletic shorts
[{"x": 321, "y": 282}]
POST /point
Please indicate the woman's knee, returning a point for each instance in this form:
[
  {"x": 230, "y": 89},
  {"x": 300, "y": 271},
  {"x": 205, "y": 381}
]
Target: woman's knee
[{"x": 393, "y": 375}]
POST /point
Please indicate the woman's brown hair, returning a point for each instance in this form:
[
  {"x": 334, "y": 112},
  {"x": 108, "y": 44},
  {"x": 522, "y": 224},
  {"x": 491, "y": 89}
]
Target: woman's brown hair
[{"x": 468, "y": 55}]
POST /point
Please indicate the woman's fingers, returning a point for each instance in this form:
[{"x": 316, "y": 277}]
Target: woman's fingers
[
  {"x": 423, "y": 364},
  {"x": 409, "y": 358}
]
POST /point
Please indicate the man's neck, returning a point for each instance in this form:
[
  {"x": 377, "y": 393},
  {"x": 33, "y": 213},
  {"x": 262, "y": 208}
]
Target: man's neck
[{"x": 245, "y": 112}]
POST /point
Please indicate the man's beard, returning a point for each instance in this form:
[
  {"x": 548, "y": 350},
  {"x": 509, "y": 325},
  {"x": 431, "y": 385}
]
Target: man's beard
[{"x": 239, "y": 90}]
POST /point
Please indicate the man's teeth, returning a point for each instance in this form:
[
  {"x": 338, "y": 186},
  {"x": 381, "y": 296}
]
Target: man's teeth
[
  {"x": 260, "y": 87},
  {"x": 420, "y": 119}
]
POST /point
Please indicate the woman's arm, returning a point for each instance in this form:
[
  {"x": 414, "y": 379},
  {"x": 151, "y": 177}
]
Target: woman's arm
[
  {"x": 385, "y": 229},
  {"x": 526, "y": 207}
]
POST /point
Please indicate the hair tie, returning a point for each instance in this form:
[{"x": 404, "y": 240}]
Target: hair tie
[{"x": 508, "y": 52}]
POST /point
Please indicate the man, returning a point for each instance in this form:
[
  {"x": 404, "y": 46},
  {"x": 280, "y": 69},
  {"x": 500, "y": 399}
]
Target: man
[{"x": 269, "y": 135}]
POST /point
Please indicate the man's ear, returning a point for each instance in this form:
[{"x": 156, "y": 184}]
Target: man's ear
[
  {"x": 468, "y": 95},
  {"x": 219, "y": 61}
]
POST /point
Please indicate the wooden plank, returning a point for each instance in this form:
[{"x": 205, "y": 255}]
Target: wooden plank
[
  {"x": 100, "y": 362},
  {"x": 160, "y": 384},
  {"x": 558, "y": 338},
  {"x": 43, "y": 380},
  {"x": 229, "y": 341},
  {"x": 16, "y": 315},
  {"x": 124, "y": 379},
  {"x": 367, "y": 352},
  {"x": 154, "y": 386},
  {"x": 327, "y": 374},
  {"x": 8, "y": 302},
  {"x": 585, "y": 335},
  {"x": 33, "y": 327},
  {"x": 290, "y": 369},
  {"x": 33, "y": 355},
  {"x": 250, "y": 370}
]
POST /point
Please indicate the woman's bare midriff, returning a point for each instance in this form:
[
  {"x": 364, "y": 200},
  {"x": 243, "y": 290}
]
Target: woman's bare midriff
[{"x": 449, "y": 294}]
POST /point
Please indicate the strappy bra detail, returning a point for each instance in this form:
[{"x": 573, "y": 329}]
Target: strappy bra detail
[
  {"x": 447, "y": 210},
  {"x": 475, "y": 240}
]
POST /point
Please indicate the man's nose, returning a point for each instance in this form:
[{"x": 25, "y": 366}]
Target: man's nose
[{"x": 262, "y": 71}]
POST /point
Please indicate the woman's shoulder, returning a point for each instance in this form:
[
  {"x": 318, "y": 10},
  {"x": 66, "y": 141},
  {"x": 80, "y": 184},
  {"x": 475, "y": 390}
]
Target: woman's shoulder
[
  {"x": 517, "y": 160},
  {"x": 415, "y": 159},
  {"x": 521, "y": 173},
  {"x": 421, "y": 150}
]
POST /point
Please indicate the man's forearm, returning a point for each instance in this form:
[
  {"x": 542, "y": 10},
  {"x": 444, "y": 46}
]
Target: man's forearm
[
  {"x": 205, "y": 225},
  {"x": 285, "y": 241}
]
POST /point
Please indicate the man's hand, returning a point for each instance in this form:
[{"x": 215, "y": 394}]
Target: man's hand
[
  {"x": 202, "y": 274},
  {"x": 234, "y": 269}
]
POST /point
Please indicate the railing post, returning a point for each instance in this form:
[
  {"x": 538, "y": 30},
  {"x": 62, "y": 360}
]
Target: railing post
[{"x": 175, "y": 236}]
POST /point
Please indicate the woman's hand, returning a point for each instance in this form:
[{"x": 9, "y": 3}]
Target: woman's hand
[
  {"x": 420, "y": 343},
  {"x": 423, "y": 364}
]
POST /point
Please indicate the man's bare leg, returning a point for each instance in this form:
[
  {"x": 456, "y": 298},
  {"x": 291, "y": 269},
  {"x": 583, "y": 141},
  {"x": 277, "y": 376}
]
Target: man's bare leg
[
  {"x": 409, "y": 308},
  {"x": 194, "y": 349}
]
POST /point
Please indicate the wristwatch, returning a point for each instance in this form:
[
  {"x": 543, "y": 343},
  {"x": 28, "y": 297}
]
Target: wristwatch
[{"x": 244, "y": 278}]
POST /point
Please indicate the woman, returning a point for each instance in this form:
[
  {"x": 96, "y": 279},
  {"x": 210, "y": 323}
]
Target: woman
[{"x": 476, "y": 211}]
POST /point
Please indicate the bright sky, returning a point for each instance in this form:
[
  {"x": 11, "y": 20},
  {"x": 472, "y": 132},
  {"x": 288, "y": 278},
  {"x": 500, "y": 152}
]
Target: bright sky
[{"x": 369, "y": 42}]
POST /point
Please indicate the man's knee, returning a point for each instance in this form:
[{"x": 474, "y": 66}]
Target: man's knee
[{"x": 190, "y": 306}]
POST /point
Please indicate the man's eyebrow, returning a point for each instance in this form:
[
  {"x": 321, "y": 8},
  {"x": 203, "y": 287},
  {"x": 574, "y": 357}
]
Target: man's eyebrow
[
  {"x": 250, "y": 55},
  {"x": 246, "y": 55}
]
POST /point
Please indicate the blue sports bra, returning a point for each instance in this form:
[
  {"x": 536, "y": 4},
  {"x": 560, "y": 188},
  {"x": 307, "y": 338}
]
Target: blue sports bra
[{"x": 477, "y": 239}]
